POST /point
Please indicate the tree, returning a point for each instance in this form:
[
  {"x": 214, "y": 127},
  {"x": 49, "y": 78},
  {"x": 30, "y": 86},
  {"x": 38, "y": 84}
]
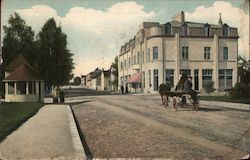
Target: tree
[
  {"x": 209, "y": 86},
  {"x": 115, "y": 72},
  {"x": 242, "y": 62},
  {"x": 55, "y": 63},
  {"x": 18, "y": 39},
  {"x": 77, "y": 81}
]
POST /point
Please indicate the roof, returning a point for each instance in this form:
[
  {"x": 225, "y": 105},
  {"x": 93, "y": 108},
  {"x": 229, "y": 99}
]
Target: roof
[
  {"x": 106, "y": 73},
  {"x": 14, "y": 64},
  {"x": 96, "y": 73},
  {"x": 136, "y": 78},
  {"x": 193, "y": 24},
  {"x": 22, "y": 73}
]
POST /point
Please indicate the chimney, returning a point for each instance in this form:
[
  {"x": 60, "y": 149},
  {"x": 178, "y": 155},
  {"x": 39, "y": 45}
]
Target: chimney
[
  {"x": 220, "y": 20},
  {"x": 180, "y": 17}
]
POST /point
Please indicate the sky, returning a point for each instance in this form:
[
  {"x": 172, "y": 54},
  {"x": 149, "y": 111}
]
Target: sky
[{"x": 96, "y": 29}]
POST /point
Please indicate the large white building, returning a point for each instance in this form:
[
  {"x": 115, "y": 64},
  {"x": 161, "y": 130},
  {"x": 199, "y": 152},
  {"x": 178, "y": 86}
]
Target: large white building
[{"x": 204, "y": 51}]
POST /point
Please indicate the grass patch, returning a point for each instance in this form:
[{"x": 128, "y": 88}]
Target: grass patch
[
  {"x": 225, "y": 99},
  {"x": 13, "y": 115}
]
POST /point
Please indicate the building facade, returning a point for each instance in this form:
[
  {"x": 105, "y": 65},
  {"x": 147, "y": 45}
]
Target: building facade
[
  {"x": 98, "y": 80},
  {"x": 204, "y": 51}
]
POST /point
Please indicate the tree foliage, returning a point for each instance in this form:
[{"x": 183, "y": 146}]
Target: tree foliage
[
  {"x": 18, "y": 39},
  {"x": 55, "y": 63},
  {"x": 242, "y": 62},
  {"x": 209, "y": 86},
  {"x": 115, "y": 72},
  {"x": 48, "y": 54},
  {"x": 77, "y": 81}
]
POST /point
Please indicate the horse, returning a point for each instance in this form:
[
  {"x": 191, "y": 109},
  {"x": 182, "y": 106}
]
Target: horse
[{"x": 163, "y": 89}]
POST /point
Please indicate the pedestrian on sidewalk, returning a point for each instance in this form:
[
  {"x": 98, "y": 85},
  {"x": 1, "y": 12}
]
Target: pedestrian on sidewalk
[
  {"x": 126, "y": 89},
  {"x": 122, "y": 89},
  {"x": 55, "y": 94},
  {"x": 61, "y": 95}
]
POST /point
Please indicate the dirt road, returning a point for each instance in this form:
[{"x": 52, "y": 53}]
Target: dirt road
[{"x": 132, "y": 126}]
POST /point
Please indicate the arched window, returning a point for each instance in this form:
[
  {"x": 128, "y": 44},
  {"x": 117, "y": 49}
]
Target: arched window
[
  {"x": 168, "y": 29},
  {"x": 207, "y": 29},
  {"x": 225, "y": 30}
]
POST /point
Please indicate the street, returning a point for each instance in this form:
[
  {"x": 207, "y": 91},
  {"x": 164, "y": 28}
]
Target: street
[{"x": 138, "y": 126}]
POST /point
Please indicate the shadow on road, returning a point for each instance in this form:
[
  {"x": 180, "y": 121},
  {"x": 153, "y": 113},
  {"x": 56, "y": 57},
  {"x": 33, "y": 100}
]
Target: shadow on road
[{"x": 210, "y": 109}]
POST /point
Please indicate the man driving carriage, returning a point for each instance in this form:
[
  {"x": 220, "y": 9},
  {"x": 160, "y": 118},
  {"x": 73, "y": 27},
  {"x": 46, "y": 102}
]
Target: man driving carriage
[{"x": 184, "y": 87}]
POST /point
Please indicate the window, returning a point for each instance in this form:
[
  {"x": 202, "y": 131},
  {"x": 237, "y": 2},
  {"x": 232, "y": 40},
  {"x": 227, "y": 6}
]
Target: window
[
  {"x": 207, "y": 53},
  {"x": 225, "y": 53},
  {"x": 155, "y": 53},
  {"x": 121, "y": 81},
  {"x": 207, "y": 29},
  {"x": 148, "y": 60},
  {"x": 125, "y": 79},
  {"x": 129, "y": 62},
  {"x": 138, "y": 58},
  {"x": 10, "y": 87},
  {"x": 32, "y": 88},
  {"x": 143, "y": 79},
  {"x": 142, "y": 56},
  {"x": 225, "y": 79},
  {"x": 156, "y": 83},
  {"x": 170, "y": 75},
  {"x": 196, "y": 79},
  {"x": 125, "y": 64},
  {"x": 225, "y": 30},
  {"x": 206, "y": 76},
  {"x": 149, "y": 78},
  {"x": 184, "y": 29},
  {"x": 21, "y": 87},
  {"x": 186, "y": 71},
  {"x": 184, "y": 53},
  {"x": 168, "y": 29},
  {"x": 121, "y": 66}
]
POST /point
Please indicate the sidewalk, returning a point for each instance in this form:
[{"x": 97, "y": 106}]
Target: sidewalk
[{"x": 50, "y": 134}]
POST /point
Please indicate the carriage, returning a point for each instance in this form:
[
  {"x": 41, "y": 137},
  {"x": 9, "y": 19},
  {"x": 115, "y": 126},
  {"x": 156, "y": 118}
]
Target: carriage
[
  {"x": 180, "y": 96},
  {"x": 183, "y": 99}
]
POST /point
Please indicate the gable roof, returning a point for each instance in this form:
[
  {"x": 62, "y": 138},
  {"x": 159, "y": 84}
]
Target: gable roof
[
  {"x": 14, "y": 64},
  {"x": 106, "y": 73},
  {"x": 96, "y": 73},
  {"x": 22, "y": 73}
]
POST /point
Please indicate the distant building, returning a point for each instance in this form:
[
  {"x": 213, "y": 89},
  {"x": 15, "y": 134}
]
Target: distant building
[
  {"x": 83, "y": 80},
  {"x": 21, "y": 82},
  {"x": 88, "y": 80},
  {"x": 159, "y": 51},
  {"x": 105, "y": 80},
  {"x": 112, "y": 79},
  {"x": 98, "y": 79}
]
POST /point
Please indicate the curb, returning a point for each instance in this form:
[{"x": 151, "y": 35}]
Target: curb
[
  {"x": 77, "y": 144},
  {"x": 237, "y": 106}
]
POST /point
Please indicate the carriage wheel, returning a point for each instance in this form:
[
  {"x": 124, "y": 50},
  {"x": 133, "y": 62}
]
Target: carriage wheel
[{"x": 175, "y": 103}]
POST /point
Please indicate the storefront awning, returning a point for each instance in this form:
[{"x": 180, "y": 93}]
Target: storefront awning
[{"x": 136, "y": 78}]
